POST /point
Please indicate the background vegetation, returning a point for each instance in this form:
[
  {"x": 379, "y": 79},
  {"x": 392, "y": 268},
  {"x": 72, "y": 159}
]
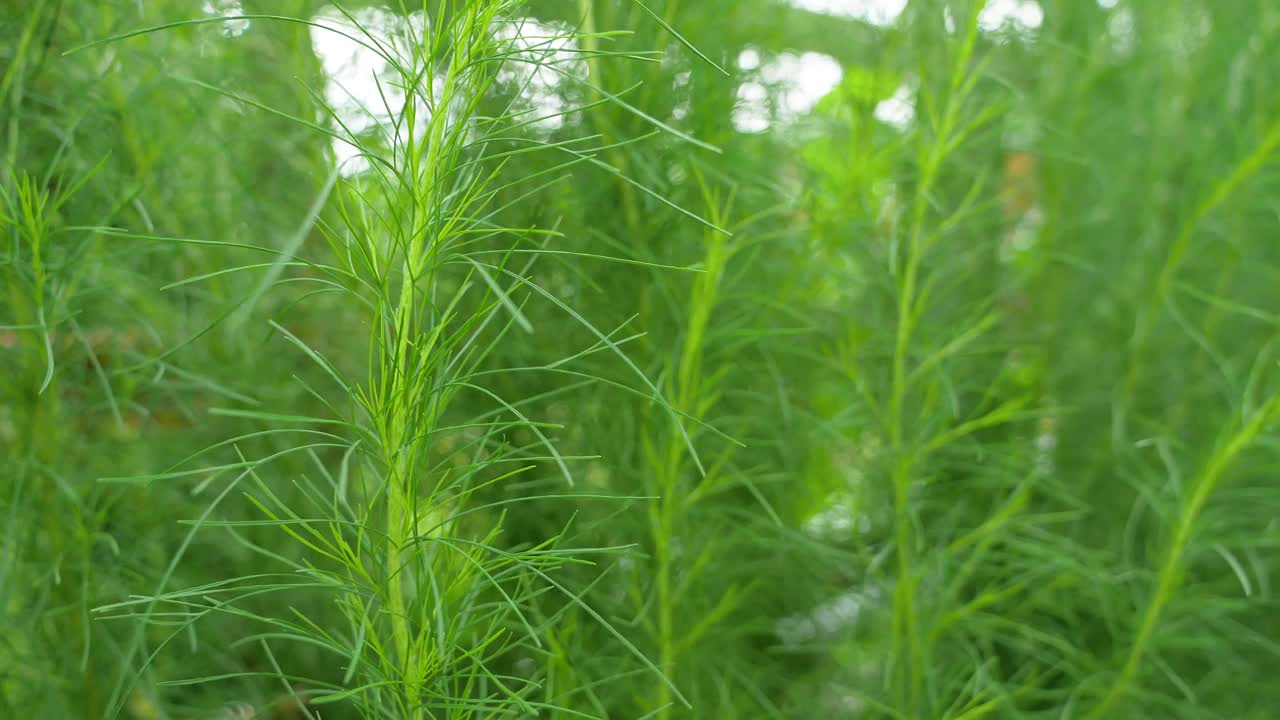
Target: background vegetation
[{"x": 639, "y": 360}]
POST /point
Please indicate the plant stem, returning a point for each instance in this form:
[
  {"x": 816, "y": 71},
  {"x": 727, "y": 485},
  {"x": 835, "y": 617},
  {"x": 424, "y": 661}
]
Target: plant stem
[{"x": 1169, "y": 577}]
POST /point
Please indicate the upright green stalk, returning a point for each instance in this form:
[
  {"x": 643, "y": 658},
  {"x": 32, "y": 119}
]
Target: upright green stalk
[
  {"x": 691, "y": 399},
  {"x": 1148, "y": 312},
  {"x": 1170, "y": 573},
  {"x": 933, "y": 150},
  {"x": 436, "y": 609}
]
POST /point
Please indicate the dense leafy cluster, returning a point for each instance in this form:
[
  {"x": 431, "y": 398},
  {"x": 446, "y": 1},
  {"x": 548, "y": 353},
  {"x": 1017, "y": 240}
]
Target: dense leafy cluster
[{"x": 514, "y": 359}]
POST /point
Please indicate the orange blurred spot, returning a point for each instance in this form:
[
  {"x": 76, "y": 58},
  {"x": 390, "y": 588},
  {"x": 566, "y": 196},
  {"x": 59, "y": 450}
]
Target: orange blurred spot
[{"x": 1018, "y": 185}]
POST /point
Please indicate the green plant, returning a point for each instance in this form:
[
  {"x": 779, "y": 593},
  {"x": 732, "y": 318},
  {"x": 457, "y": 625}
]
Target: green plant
[
  {"x": 617, "y": 358},
  {"x": 432, "y": 602}
]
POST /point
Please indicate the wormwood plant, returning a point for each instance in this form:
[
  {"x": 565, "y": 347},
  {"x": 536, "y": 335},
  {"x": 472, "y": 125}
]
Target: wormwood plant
[
  {"x": 683, "y": 603},
  {"x": 1046, "y": 558},
  {"x": 700, "y": 591},
  {"x": 941, "y": 479},
  {"x": 669, "y": 465},
  {"x": 61, "y": 399},
  {"x": 386, "y": 520},
  {"x": 38, "y": 268},
  {"x": 673, "y": 591}
]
